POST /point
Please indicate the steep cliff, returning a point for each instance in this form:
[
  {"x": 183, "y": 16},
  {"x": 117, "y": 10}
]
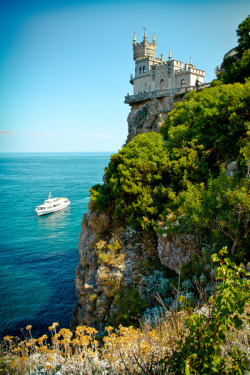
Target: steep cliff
[
  {"x": 148, "y": 116},
  {"x": 115, "y": 260}
]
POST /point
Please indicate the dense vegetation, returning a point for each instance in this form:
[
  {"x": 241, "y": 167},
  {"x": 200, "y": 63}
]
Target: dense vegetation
[{"x": 181, "y": 177}]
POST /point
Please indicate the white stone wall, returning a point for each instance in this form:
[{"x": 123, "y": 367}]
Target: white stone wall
[
  {"x": 163, "y": 78},
  {"x": 142, "y": 84}
]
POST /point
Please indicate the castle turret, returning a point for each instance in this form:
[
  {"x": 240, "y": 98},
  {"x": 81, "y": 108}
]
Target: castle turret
[
  {"x": 144, "y": 49},
  {"x": 134, "y": 39},
  {"x": 170, "y": 55},
  {"x": 154, "y": 40}
]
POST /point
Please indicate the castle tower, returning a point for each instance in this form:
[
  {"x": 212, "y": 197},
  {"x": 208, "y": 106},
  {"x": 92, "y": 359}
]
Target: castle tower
[{"x": 144, "y": 49}]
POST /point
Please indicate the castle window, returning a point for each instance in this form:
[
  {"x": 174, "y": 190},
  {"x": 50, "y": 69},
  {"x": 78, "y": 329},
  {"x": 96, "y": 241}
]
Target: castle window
[
  {"x": 183, "y": 82},
  {"x": 162, "y": 83},
  {"x": 144, "y": 69},
  {"x": 140, "y": 69}
]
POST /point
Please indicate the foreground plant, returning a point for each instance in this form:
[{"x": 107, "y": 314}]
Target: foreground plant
[{"x": 199, "y": 350}]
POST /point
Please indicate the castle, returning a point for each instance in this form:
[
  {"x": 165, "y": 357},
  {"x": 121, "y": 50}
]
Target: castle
[{"x": 154, "y": 77}]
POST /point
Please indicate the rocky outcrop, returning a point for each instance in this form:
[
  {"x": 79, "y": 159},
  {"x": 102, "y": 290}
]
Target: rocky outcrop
[
  {"x": 148, "y": 116},
  {"x": 231, "y": 168},
  {"x": 174, "y": 251},
  {"x": 113, "y": 258}
]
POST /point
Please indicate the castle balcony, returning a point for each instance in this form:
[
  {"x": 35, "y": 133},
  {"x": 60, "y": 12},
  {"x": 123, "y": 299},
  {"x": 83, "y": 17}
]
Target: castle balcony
[
  {"x": 131, "y": 79},
  {"x": 142, "y": 96}
]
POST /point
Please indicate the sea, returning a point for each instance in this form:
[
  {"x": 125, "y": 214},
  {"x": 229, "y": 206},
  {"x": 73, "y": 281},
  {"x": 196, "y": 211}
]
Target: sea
[{"x": 38, "y": 255}]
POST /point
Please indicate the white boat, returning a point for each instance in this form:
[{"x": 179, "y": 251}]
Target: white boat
[{"x": 52, "y": 205}]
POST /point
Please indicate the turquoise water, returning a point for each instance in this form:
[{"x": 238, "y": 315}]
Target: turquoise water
[{"x": 38, "y": 255}]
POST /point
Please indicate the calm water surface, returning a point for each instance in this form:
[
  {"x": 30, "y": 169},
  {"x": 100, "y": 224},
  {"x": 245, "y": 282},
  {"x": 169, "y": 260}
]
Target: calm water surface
[{"x": 38, "y": 255}]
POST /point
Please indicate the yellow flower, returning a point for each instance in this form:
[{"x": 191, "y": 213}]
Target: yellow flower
[
  {"x": 54, "y": 325},
  {"x": 109, "y": 329},
  {"x": 80, "y": 330},
  {"x": 66, "y": 333},
  {"x": 8, "y": 338},
  {"x": 29, "y": 328}
]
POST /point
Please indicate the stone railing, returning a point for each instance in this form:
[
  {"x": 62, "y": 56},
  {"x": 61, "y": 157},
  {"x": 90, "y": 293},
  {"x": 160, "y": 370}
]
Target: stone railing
[{"x": 141, "y": 96}]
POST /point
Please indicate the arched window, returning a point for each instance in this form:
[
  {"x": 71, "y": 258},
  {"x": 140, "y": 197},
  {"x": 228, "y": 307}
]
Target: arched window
[
  {"x": 144, "y": 69},
  {"x": 162, "y": 84},
  {"x": 140, "y": 70},
  {"x": 183, "y": 82}
]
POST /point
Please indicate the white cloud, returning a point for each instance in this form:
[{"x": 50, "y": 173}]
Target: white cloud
[{"x": 7, "y": 132}]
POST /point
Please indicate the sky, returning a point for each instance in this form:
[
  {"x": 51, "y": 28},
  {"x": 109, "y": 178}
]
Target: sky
[{"x": 65, "y": 64}]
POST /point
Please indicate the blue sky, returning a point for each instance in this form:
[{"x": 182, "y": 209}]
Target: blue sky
[{"x": 65, "y": 65}]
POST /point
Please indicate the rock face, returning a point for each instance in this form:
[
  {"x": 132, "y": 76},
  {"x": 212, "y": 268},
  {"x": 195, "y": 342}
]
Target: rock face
[
  {"x": 148, "y": 116},
  {"x": 113, "y": 258},
  {"x": 174, "y": 251},
  {"x": 231, "y": 168}
]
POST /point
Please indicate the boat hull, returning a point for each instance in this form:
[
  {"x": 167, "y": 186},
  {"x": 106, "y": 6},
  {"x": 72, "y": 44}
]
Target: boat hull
[{"x": 52, "y": 209}]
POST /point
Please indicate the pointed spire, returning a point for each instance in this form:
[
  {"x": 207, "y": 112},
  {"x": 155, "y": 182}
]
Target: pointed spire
[
  {"x": 134, "y": 39},
  {"x": 191, "y": 62},
  {"x": 170, "y": 55},
  {"x": 145, "y": 34},
  {"x": 154, "y": 40}
]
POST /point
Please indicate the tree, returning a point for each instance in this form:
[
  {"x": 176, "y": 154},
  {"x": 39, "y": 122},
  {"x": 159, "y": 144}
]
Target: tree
[
  {"x": 217, "y": 213},
  {"x": 136, "y": 180},
  {"x": 243, "y": 33},
  {"x": 212, "y": 127},
  {"x": 236, "y": 68}
]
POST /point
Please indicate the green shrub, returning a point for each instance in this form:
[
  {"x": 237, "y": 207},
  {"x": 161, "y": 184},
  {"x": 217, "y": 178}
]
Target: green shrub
[
  {"x": 208, "y": 129},
  {"x": 100, "y": 196},
  {"x": 129, "y": 306},
  {"x": 217, "y": 213},
  {"x": 136, "y": 181},
  {"x": 199, "y": 349}
]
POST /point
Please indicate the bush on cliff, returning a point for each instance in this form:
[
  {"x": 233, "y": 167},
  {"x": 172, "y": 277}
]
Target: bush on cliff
[
  {"x": 211, "y": 128},
  {"x": 136, "y": 181},
  {"x": 216, "y": 213}
]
